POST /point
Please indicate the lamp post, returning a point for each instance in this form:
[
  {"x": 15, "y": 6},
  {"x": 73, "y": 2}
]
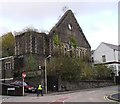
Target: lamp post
[
  {"x": 46, "y": 74},
  {"x": 116, "y": 71},
  {"x": 115, "y": 68}
]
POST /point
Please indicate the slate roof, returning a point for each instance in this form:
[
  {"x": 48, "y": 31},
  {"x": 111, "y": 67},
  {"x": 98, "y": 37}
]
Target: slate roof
[{"x": 115, "y": 47}]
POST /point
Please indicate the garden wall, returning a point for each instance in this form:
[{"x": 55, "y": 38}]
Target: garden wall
[{"x": 84, "y": 85}]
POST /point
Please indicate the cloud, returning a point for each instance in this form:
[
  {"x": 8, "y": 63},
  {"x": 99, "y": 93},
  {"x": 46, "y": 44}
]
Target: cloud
[
  {"x": 3, "y": 30},
  {"x": 97, "y": 20},
  {"x": 100, "y": 27},
  {"x": 105, "y": 34}
]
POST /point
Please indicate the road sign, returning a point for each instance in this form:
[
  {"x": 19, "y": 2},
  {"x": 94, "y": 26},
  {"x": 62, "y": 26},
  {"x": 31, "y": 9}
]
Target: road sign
[{"x": 23, "y": 74}]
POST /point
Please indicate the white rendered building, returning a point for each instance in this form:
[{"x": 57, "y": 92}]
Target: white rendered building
[{"x": 108, "y": 54}]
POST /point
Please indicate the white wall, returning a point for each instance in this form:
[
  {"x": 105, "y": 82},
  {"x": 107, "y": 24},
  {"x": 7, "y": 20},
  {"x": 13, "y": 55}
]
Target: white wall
[
  {"x": 110, "y": 54},
  {"x": 103, "y": 49}
]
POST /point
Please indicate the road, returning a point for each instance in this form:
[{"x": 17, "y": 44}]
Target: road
[{"x": 86, "y": 95}]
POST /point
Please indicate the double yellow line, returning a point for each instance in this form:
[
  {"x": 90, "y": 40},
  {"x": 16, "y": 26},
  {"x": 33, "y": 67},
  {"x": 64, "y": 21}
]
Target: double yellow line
[{"x": 111, "y": 98}]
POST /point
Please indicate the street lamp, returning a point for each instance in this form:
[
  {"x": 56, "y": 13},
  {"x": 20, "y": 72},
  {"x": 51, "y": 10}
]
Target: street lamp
[
  {"x": 115, "y": 68},
  {"x": 46, "y": 74}
]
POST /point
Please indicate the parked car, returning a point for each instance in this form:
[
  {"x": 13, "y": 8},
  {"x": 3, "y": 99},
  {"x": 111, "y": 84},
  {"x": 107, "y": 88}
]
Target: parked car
[{"x": 27, "y": 86}]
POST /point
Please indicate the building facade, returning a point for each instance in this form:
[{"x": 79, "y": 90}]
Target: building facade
[
  {"x": 7, "y": 67},
  {"x": 31, "y": 47},
  {"x": 66, "y": 28},
  {"x": 108, "y": 54}
]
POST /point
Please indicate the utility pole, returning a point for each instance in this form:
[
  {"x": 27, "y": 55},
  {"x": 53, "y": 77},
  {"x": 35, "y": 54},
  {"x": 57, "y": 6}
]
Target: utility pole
[{"x": 46, "y": 73}]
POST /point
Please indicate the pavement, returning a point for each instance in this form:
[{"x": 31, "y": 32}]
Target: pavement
[{"x": 115, "y": 97}]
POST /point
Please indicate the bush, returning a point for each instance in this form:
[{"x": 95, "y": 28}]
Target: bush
[
  {"x": 102, "y": 72},
  {"x": 73, "y": 69}
]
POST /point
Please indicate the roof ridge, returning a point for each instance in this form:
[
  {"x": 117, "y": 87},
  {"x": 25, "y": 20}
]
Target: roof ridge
[
  {"x": 110, "y": 44},
  {"x": 115, "y": 47}
]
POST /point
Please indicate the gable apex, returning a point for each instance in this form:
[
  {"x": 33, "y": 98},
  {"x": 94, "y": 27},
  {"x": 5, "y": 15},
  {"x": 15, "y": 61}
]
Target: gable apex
[
  {"x": 110, "y": 46},
  {"x": 62, "y": 18},
  {"x": 67, "y": 26}
]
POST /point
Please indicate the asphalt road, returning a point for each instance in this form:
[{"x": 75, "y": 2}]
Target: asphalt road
[{"x": 87, "y": 95}]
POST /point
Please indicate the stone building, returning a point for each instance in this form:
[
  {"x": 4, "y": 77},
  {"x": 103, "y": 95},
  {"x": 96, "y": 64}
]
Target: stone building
[
  {"x": 30, "y": 42},
  {"x": 40, "y": 45},
  {"x": 6, "y": 68},
  {"x": 66, "y": 28},
  {"x": 31, "y": 48}
]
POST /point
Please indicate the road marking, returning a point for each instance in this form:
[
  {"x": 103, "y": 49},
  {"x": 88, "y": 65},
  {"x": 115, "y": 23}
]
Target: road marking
[
  {"x": 114, "y": 99},
  {"x": 59, "y": 101},
  {"x": 106, "y": 98}
]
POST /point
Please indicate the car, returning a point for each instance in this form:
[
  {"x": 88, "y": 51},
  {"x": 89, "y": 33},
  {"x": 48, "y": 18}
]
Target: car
[{"x": 27, "y": 86}]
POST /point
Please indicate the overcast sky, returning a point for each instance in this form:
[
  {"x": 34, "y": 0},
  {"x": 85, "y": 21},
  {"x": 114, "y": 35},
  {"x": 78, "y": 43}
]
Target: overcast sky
[{"x": 98, "y": 20}]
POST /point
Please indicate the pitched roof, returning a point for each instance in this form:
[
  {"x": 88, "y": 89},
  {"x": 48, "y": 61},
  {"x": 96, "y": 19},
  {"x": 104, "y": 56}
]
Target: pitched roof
[
  {"x": 115, "y": 47},
  {"x": 62, "y": 19}
]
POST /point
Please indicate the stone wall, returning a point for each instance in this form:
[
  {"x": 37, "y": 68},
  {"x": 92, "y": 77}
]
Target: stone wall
[
  {"x": 30, "y": 42},
  {"x": 66, "y": 27},
  {"x": 84, "y": 85},
  {"x": 7, "y": 67},
  {"x": 69, "y": 86}
]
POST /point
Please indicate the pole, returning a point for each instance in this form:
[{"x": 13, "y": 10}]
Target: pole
[
  {"x": 4, "y": 74},
  {"x": 23, "y": 86},
  {"x": 46, "y": 74},
  {"x": 115, "y": 68},
  {"x": 45, "y": 78},
  {"x": 115, "y": 60}
]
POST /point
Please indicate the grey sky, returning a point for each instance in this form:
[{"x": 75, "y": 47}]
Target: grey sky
[{"x": 98, "y": 20}]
